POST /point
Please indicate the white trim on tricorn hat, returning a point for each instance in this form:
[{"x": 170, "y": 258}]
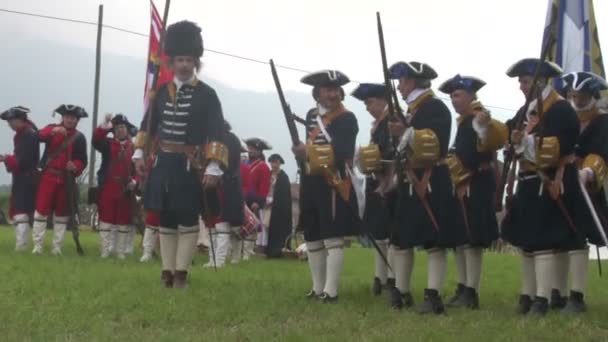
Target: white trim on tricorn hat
[
  {"x": 15, "y": 112},
  {"x": 326, "y": 78},
  {"x": 527, "y": 67},
  {"x": 584, "y": 81},
  {"x": 412, "y": 70}
]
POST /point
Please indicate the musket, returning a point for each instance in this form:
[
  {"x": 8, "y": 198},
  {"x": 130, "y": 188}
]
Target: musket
[
  {"x": 394, "y": 109},
  {"x": 396, "y": 114},
  {"x": 72, "y": 204},
  {"x": 289, "y": 115},
  {"x": 519, "y": 118},
  {"x": 299, "y": 120}
]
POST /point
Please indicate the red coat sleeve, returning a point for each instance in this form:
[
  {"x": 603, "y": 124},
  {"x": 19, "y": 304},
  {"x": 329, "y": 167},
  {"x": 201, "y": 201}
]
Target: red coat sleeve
[
  {"x": 100, "y": 134},
  {"x": 11, "y": 163},
  {"x": 264, "y": 183},
  {"x": 45, "y": 133},
  {"x": 79, "y": 167}
]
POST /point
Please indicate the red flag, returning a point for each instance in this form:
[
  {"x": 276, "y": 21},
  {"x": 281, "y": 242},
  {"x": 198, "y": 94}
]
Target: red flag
[{"x": 165, "y": 75}]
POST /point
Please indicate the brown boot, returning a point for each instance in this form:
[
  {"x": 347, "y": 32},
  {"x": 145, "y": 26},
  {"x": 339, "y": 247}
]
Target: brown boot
[
  {"x": 181, "y": 278},
  {"x": 166, "y": 279}
]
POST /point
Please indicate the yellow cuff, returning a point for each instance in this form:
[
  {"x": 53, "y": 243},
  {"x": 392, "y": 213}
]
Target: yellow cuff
[
  {"x": 424, "y": 148},
  {"x": 598, "y": 166},
  {"x": 458, "y": 172},
  {"x": 547, "y": 155},
  {"x": 140, "y": 140},
  {"x": 496, "y": 137},
  {"x": 369, "y": 158},
  {"x": 320, "y": 158}
]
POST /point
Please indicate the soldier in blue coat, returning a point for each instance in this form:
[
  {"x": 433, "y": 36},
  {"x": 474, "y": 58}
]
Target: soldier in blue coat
[
  {"x": 540, "y": 220},
  {"x": 187, "y": 127},
  {"x": 328, "y": 202},
  {"x": 473, "y": 171},
  {"x": 376, "y": 219}
]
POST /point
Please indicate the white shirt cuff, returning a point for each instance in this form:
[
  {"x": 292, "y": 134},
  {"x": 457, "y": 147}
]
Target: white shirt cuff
[
  {"x": 590, "y": 173},
  {"x": 481, "y": 130},
  {"x": 405, "y": 139},
  {"x": 138, "y": 154},
  {"x": 528, "y": 148},
  {"x": 213, "y": 169}
]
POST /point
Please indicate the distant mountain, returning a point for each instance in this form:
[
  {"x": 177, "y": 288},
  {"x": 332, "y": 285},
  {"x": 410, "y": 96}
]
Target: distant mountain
[
  {"x": 46, "y": 74},
  {"x": 43, "y": 74}
]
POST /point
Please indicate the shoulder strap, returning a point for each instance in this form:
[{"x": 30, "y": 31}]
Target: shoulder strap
[
  {"x": 64, "y": 145},
  {"x": 325, "y": 121}
]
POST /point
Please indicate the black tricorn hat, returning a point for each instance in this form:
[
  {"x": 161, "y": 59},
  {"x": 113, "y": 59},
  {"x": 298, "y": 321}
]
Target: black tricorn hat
[
  {"x": 412, "y": 70},
  {"x": 585, "y": 81},
  {"x": 68, "y": 109},
  {"x": 367, "y": 90},
  {"x": 276, "y": 157},
  {"x": 17, "y": 112},
  {"x": 326, "y": 78},
  {"x": 121, "y": 119},
  {"x": 468, "y": 83},
  {"x": 527, "y": 67},
  {"x": 184, "y": 39},
  {"x": 258, "y": 143}
]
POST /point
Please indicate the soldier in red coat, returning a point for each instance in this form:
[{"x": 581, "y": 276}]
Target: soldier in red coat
[
  {"x": 22, "y": 165},
  {"x": 65, "y": 155},
  {"x": 259, "y": 186},
  {"x": 116, "y": 182}
]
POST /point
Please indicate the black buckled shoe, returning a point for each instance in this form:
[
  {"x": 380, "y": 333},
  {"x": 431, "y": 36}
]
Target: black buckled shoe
[
  {"x": 525, "y": 302},
  {"x": 540, "y": 307},
  {"x": 376, "y": 287},
  {"x": 398, "y": 300},
  {"x": 576, "y": 303},
  {"x": 458, "y": 299},
  {"x": 312, "y": 295},
  {"x": 471, "y": 298},
  {"x": 432, "y": 303},
  {"x": 395, "y": 298},
  {"x": 166, "y": 279},
  {"x": 327, "y": 299},
  {"x": 390, "y": 283},
  {"x": 557, "y": 301},
  {"x": 408, "y": 300}
]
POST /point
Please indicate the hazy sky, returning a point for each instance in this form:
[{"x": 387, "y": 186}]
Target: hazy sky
[{"x": 475, "y": 37}]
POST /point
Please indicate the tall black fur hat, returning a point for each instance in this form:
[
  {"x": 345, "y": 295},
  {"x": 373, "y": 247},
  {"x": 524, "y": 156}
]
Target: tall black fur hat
[{"x": 184, "y": 39}]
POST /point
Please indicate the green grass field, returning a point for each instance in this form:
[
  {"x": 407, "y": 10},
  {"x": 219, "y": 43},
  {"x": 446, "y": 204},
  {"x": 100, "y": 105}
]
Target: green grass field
[{"x": 71, "y": 298}]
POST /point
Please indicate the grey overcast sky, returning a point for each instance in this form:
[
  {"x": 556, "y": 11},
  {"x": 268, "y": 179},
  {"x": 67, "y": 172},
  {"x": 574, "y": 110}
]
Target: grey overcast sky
[{"x": 473, "y": 37}]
